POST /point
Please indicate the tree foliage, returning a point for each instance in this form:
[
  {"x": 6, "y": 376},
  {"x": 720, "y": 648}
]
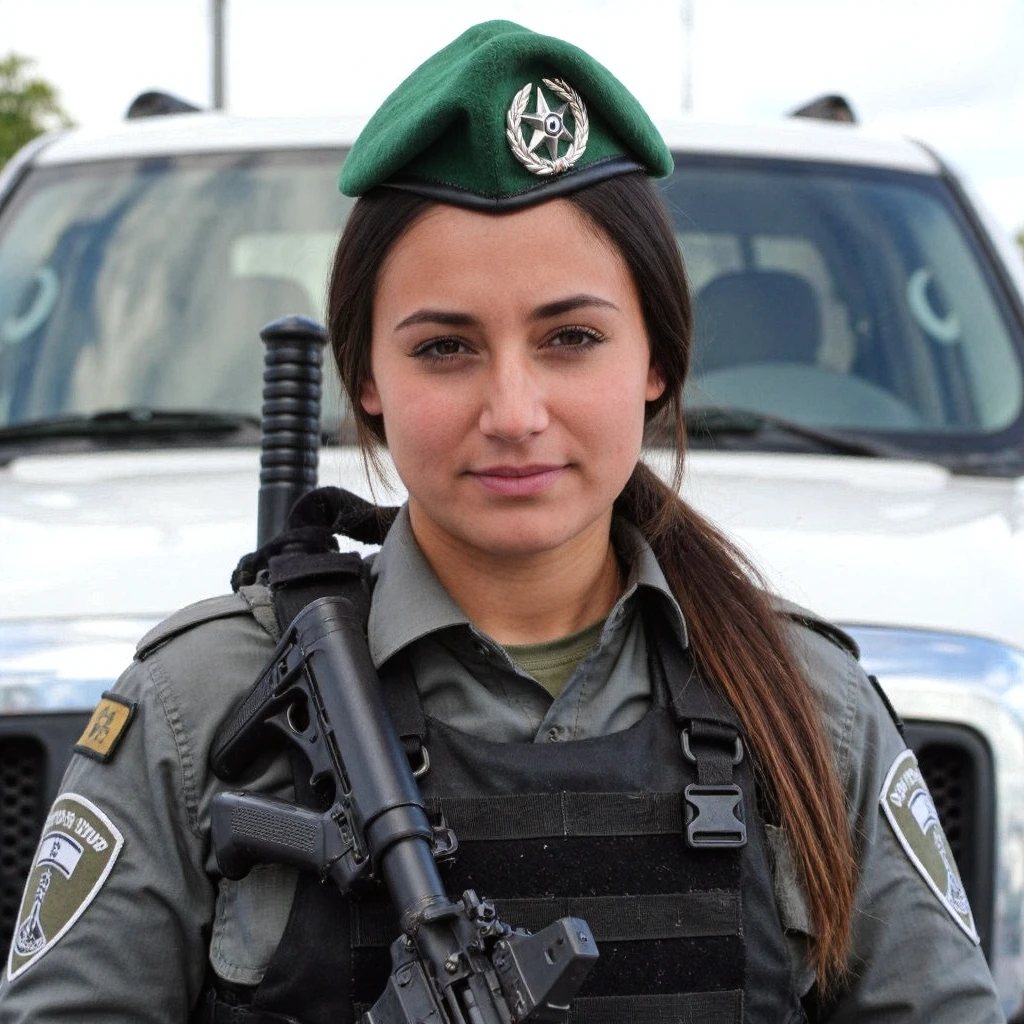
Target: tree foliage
[
  {"x": 1020, "y": 239},
  {"x": 28, "y": 106}
]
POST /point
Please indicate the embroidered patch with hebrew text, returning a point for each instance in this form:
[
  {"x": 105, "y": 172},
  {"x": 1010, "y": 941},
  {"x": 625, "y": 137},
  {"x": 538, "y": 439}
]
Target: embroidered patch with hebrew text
[
  {"x": 106, "y": 728},
  {"x": 74, "y": 858},
  {"x": 912, "y": 813}
]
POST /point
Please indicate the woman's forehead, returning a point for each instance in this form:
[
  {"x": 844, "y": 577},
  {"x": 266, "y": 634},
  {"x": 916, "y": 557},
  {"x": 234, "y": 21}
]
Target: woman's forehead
[
  {"x": 549, "y": 244},
  {"x": 532, "y": 233}
]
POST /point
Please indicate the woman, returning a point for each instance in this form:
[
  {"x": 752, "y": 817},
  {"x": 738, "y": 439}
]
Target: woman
[{"x": 509, "y": 312}]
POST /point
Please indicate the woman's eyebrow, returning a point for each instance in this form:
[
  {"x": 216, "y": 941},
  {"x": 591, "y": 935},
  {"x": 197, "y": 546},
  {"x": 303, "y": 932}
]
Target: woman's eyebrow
[
  {"x": 437, "y": 316},
  {"x": 449, "y": 318},
  {"x": 561, "y": 306}
]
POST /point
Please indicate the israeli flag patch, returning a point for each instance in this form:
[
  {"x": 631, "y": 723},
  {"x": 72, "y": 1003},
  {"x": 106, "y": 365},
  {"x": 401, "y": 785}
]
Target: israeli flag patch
[{"x": 75, "y": 855}]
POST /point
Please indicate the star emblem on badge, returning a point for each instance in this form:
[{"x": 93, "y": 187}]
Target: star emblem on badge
[
  {"x": 548, "y": 125},
  {"x": 549, "y": 128}
]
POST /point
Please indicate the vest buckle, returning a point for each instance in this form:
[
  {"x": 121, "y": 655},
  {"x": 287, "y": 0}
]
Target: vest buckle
[
  {"x": 714, "y": 817},
  {"x": 688, "y": 753}
]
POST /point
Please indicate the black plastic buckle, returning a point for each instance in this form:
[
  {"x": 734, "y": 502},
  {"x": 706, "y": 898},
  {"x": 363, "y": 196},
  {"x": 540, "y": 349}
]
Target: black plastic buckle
[
  {"x": 714, "y": 817},
  {"x": 684, "y": 739}
]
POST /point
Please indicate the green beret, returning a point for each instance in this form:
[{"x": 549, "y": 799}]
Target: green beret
[{"x": 502, "y": 118}]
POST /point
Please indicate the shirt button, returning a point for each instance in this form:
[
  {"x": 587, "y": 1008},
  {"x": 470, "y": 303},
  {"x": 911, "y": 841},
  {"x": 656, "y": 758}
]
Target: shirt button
[
  {"x": 555, "y": 733},
  {"x": 482, "y": 649}
]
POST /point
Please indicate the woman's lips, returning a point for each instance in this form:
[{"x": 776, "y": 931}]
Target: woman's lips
[{"x": 518, "y": 481}]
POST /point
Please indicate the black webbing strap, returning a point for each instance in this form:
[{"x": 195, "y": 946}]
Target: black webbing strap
[
  {"x": 405, "y": 708},
  {"x": 710, "y": 736},
  {"x": 312, "y": 524},
  {"x": 684, "y": 1008},
  {"x": 513, "y": 817},
  {"x": 611, "y": 918},
  {"x": 298, "y": 578},
  {"x": 687, "y": 1008},
  {"x": 713, "y": 748}
]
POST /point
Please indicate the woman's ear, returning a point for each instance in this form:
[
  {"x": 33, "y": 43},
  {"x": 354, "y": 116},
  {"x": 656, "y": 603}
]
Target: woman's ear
[
  {"x": 369, "y": 398},
  {"x": 655, "y": 384}
]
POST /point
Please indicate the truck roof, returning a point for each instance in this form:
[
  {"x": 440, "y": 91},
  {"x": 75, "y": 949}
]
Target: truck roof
[{"x": 174, "y": 134}]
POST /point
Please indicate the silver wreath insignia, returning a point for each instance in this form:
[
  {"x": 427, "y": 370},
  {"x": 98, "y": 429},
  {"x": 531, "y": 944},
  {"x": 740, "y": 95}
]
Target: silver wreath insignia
[{"x": 548, "y": 128}]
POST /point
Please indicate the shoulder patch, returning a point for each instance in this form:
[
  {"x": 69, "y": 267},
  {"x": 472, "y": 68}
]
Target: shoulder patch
[
  {"x": 75, "y": 855},
  {"x": 188, "y": 618},
  {"x": 107, "y": 727},
  {"x": 912, "y": 814}
]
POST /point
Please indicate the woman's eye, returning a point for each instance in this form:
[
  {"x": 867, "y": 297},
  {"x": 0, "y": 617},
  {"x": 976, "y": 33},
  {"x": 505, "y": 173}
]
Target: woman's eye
[
  {"x": 441, "y": 348},
  {"x": 575, "y": 338}
]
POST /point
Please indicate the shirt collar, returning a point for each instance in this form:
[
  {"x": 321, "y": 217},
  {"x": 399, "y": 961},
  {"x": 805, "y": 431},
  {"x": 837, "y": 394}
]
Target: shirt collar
[
  {"x": 644, "y": 571},
  {"x": 410, "y": 602}
]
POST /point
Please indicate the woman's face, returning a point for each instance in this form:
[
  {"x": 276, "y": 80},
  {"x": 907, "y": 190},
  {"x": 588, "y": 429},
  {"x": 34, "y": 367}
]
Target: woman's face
[{"x": 510, "y": 364}]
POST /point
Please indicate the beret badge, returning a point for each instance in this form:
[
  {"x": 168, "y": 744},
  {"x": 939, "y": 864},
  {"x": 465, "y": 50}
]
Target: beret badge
[{"x": 549, "y": 128}]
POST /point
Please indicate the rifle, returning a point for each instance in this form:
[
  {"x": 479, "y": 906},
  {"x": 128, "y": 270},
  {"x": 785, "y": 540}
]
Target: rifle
[{"x": 455, "y": 961}]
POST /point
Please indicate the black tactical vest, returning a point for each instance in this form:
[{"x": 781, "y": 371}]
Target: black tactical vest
[{"x": 652, "y": 835}]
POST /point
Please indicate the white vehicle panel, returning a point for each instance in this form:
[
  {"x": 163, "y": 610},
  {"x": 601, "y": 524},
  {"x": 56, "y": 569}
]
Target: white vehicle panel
[{"x": 874, "y": 542}]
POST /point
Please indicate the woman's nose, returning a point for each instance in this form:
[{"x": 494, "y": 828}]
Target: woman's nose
[{"x": 515, "y": 403}]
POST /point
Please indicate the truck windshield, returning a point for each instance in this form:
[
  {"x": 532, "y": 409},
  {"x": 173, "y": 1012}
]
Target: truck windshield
[
  {"x": 842, "y": 298},
  {"x": 847, "y": 298},
  {"x": 144, "y": 284}
]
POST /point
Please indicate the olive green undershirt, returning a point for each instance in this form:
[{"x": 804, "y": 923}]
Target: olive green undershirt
[{"x": 553, "y": 662}]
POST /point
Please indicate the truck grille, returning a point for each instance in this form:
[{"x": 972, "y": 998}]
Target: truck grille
[
  {"x": 21, "y": 803},
  {"x": 33, "y": 752},
  {"x": 949, "y": 772}
]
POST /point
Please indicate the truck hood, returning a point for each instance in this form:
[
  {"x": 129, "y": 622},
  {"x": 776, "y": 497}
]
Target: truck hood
[
  {"x": 136, "y": 534},
  {"x": 875, "y": 542},
  {"x": 861, "y": 541}
]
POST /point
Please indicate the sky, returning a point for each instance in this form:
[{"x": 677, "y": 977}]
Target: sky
[{"x": 943, "y": 71}]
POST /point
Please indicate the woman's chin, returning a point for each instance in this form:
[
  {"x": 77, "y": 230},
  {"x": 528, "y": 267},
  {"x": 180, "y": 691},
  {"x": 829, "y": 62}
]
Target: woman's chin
[{"x": 520, "y": 536}]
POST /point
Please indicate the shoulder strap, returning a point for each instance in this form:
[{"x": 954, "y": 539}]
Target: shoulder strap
[
  {"x": 296, "y": 578},
  {"x": 303, "y": 563},
  {"x": 312, "y": 523},
  {"x": 710, "y": 737}
]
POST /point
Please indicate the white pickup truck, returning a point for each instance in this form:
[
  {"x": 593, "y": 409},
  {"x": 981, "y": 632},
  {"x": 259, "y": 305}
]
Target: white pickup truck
[{"x": 856, "y": 416}]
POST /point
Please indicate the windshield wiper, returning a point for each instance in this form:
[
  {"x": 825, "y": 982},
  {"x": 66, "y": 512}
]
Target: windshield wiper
[
  {"x": 132, "y": 422},
  {"x": 716, "y": 423}
]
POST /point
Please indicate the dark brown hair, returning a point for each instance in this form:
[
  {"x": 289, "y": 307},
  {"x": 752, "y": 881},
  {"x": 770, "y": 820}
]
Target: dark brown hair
[{"x": 737, "y": 636}]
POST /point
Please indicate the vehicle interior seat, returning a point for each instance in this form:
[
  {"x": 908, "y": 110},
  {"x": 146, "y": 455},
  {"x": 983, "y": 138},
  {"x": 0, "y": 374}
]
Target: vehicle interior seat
[
  {"x": 756, "y": 316},
  {"x": 757, "y": 338}
]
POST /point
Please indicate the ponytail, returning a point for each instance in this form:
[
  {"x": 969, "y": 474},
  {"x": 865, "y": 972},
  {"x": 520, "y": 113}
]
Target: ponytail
[{"x": 738, "y": 644}]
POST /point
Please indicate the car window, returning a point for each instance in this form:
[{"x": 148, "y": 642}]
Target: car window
[
  {"x": 145, "y": 283},
  {"x": 845, "y": 298},
  {"x": 842, "y": 297}
]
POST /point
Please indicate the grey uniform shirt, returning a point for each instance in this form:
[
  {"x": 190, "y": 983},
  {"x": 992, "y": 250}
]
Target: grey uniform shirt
[{"x": 141, "y": 947}]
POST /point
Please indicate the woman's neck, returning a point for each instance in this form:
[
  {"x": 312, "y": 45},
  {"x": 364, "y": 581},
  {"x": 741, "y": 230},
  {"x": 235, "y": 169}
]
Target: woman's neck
[{"x": 527, "y": 599}]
